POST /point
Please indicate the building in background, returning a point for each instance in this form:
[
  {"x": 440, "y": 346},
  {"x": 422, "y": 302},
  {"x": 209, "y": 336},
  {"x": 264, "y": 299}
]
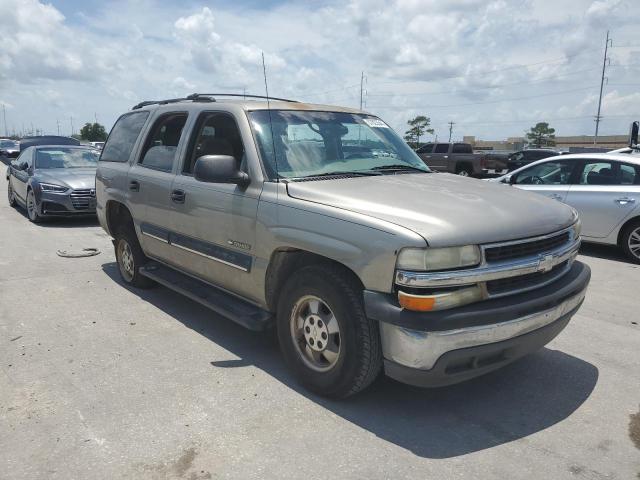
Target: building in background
[{"x": 574, "y": 144}]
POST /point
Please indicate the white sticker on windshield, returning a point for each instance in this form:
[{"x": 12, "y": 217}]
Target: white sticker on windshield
[{"x": 375, "y": 122}]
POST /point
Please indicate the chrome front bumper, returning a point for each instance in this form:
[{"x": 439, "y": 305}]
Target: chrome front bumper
[{"x": 421, "y": 350}]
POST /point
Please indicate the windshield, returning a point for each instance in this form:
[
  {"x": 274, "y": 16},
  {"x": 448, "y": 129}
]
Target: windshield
[
  {"x": 309, "y": 144},
  {"x": 57, "y": 157},
  {"x": 8, "y": 144}
]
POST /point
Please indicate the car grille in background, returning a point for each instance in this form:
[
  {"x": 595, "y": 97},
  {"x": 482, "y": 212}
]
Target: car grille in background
[
  {"x": 525, "y": 248},
  {"x": 525, "y": 282},
  {"x": 82, "y": 199}
]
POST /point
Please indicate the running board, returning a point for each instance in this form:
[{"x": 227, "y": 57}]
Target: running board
[{"x": 229, "y": 306}]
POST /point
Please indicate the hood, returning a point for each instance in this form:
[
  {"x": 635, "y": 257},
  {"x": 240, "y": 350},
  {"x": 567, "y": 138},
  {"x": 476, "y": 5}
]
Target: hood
[
  {"x": 445, "y": 209},
  {"x": 75, "y": 178}
]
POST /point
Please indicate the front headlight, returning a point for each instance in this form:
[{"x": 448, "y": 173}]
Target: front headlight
[
  {"x": 429, "y": 259},
  {"x": 49, "y": 187}
]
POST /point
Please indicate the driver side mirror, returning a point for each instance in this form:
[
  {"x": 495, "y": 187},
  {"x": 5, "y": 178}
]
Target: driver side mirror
[
  {"x": 219, "y": 169},
  {"x": 633, "y": 134},
  {"x": 510, "y": 179},
  {"x": 23, "y": 166}
]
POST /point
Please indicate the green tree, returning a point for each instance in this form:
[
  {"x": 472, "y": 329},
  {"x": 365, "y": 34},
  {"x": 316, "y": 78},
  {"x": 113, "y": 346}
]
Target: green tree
[
  {"x": 418, "y": 127},
  {"x": 93, "y": 132},
  {"x": 542, "y": 135}
]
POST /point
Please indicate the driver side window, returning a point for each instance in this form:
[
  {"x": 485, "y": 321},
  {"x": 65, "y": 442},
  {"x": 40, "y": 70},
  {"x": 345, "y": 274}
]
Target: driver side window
[
  {"x": 547, "y": 173},
  {"x": 215, "y": 134}
]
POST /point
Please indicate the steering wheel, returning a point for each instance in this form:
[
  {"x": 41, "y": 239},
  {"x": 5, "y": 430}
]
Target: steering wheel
[{"x": 536, "y": 180}]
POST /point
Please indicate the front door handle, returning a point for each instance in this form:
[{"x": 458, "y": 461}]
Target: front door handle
[
  {"x": 625, "y": 200},
  {"x": 556, "y": 196},
  {"x": 178, "y": 196},
  {"x": 134, "y": 186}
]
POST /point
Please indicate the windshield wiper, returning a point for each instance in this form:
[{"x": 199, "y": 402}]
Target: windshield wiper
[
  {"x": 399, "y": 167},
  {"x": 342, "y": 173}
]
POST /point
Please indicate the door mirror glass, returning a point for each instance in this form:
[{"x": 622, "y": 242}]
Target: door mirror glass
[
  {"x": 219, "y": 169},
  {"x": 23, "y": 166}
]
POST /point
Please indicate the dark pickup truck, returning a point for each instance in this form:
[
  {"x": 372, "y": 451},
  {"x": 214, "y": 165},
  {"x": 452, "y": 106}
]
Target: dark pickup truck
[{"x": 459, "y": 158}]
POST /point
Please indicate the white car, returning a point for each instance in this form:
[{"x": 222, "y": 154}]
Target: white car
[{"x": 603, "y": 187}]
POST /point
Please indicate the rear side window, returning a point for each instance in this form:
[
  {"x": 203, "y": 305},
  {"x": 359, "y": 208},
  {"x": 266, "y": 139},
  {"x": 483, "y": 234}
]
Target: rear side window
[
  {"x": 461, "y": 148},
  {"x": 123, "y": 137},
  {"x": 442, "y": 148},
  {"x": 161, "y": 146},
  {"x": 629, "y": 175}
]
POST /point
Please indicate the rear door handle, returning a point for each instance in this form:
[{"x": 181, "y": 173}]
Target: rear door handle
[
  {"x": 625, "y": 200},
  {"x": 178, "y": 196},
  {"x": 134, "y": 186}
]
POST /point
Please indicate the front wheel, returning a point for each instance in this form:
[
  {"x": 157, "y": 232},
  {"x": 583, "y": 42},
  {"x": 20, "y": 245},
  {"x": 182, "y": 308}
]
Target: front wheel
[
  {"x": 32, "y": 208},
  {"x": 10, "y": 195},
  {"x": 130, "y": 259},
  {"x": 630, "y": 241},
  {"x": 324, "y": 334}
]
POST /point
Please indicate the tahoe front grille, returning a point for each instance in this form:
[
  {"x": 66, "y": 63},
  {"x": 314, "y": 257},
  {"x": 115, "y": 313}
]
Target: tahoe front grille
[
  {"x": 82, "y": 199},
  {"x": 525, "y": 248},
  {"x": 506, "y": 286}
]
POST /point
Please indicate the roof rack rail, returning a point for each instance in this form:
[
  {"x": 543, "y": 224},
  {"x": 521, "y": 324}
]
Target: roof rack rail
[
  {"x": 205, "y": 97},
  {"x": 197, "y": 96}
]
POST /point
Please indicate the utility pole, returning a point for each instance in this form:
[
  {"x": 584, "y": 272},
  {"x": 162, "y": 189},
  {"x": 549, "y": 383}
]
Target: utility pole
[
  {"x": 58, "y": 124},
  {"x": 361, "y": 88},
  {"x": 451, "y": 124},
  {"x": 71, "y": 121},
  {"x": 604, "y": 67},
  {"x": 95, "y": 116},
  {"x": 4, "y": 114}
]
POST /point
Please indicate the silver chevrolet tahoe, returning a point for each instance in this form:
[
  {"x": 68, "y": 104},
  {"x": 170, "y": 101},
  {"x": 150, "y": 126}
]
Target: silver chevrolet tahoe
[{"x": 322, "y": 222}]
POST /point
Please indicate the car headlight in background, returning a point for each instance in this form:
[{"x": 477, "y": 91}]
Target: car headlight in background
[
  {"x": 429, "y": 259},
  {"x": 577, "y": 229},
  {"x": 49, "y": 187}
]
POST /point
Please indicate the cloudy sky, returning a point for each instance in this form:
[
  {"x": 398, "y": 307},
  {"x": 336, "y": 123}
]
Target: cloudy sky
[{"x": 493, "y": 67}]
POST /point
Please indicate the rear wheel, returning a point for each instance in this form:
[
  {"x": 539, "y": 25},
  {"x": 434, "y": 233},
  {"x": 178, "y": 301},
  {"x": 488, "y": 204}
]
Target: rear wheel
[
  {"x": 630, "y": 241},
  {"x": 130, "y": 259},
  {"x": 32, "y": 208},
  {"x": 324, "y": 334},
  {"x": 10, "y": 195},
  {"x": 464, "y": 171}
]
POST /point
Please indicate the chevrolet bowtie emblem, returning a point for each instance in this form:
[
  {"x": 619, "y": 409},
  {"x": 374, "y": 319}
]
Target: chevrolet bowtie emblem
[{"x": 545, "y": 264}]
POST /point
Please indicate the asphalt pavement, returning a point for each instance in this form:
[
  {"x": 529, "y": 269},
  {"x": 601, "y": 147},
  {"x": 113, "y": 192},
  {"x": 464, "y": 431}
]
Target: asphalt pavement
[{"x": 99, "y": 381}]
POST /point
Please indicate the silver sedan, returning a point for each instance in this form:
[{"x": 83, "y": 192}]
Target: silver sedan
[{"x": 603, "y": 187}]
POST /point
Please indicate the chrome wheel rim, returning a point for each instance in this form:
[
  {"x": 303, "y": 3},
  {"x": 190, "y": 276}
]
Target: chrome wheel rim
[
  {"x": 31, "y": 206},
  {"x": 316, "y": 333},
  {"x": 463, "y": 173},
  {"x": 633, "y": 242},
  {"x": 125, "y": 260}
]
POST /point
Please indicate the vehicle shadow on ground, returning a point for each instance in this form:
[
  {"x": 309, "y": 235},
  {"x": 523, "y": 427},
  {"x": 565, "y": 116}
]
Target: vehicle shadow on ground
[
  {"x": 606, "y": 252},
  {"x": 519, "y": 400}
]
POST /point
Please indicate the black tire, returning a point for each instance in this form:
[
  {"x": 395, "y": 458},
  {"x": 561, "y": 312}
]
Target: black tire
[
  {"x": 464, "y": 170},
  {"x": 129, "y": 263},
  {"x": 32, "y": 208},
  {"x": 629, "y": 239},
  {"x": 11, "y": 197},
  {"x": 360, "y": 355}
]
